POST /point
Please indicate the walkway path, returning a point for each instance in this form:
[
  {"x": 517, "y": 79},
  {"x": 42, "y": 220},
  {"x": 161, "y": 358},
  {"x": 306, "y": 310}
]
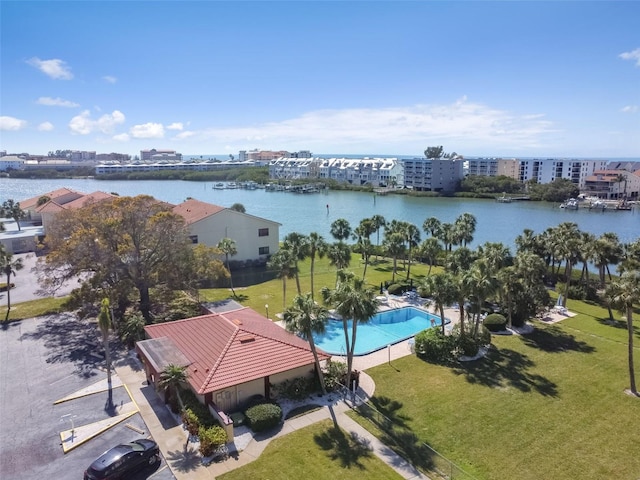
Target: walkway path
[{"x": 188, "y": 465}]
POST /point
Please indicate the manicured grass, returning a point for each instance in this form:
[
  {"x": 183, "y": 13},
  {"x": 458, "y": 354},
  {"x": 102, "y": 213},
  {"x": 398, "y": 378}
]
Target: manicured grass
[
  {"x": 547, "y": 405},
  {"x": 315, "y": 452},
  {"x": 271, "y": 292},
  {"x": 33, "y": 308}
]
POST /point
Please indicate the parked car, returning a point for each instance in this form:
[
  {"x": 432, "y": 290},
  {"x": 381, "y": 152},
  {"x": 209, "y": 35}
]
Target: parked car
[{"x": 123, "y": 459}]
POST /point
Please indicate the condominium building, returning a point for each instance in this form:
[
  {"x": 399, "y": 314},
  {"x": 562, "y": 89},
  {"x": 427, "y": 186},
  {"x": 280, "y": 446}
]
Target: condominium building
[
  {"x": 147, "y": 155},
  {"x": 355, "y": 171},
  {"x": 433, "y": 174},
  {"x": 613, "y": 185},
  {"x": 493, "y": 167},
  {"x": 550, "y": 169},
  {"x": 82, "y": 156}
]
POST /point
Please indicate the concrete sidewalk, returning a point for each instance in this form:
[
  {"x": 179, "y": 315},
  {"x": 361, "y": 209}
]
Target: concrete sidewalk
[{"x": 171, "y": 437}]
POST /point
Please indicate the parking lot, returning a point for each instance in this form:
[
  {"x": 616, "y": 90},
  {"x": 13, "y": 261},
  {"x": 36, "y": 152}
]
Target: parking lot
[{"x": 42, "y": 361}]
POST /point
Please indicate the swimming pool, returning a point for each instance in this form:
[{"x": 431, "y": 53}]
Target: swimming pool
[{"x": 385, "y": 328}]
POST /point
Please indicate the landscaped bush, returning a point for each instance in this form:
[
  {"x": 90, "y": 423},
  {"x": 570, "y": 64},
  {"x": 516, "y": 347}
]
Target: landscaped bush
[
  {"x": 201, "y": 412},
  {"x": 395, "y": 289},
  {"x": 190, "y": 421},
  {"x": 3, "y": 286},
  {"x": 211, "y": 439},
  {"x": 296, "y": 388},
  {"x": 433, "y": 346},
  {"x": 334, "y": 375},
  {"x": 495, "y": 322},
  {"x": 467, "y": 344},
  {"x": 263, "y": 417}
]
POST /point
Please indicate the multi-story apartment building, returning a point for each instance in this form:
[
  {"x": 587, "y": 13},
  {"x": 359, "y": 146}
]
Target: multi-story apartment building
[
  {"x": 147, "y": 155},
  {"x": 82, "y": 156},
  {"x": 550, "y": 169},
  {"x": 355, "y": 171},
  {"x": 493, "y": 167},
  {"x": 433, "y": 174},
  {"x": 613, "y": 185}
]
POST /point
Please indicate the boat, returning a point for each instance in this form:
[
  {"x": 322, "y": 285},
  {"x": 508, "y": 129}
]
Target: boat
[
  {"x": 597, "y": 205},
  {"x": 219, "y": 186},
  {"x": 571, "y": 204},
  {"x": 232, "y": 185},
  {"x": 503, "y": 199}
]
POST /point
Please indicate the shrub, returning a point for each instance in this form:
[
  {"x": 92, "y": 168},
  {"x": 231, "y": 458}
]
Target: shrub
[
  {"x": 211, "y": 439},
  {"x": 495, "y": 322},
  {"x": 468, "y": 345},
  {"x": 3, "y": 286},
  {"x": 263, "y": 417},
  {"x": 334, "y": 375},
  {"x": 432, "y": 345},
  {"x": 296, "y": 388},
  {"x": 201, "y": 412},
  {"x": 395, "y": 289},
  {"x": 190, "y": 421}
]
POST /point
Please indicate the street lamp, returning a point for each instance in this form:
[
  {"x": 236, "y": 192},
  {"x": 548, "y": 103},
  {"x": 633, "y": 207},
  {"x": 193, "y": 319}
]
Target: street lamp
[{"x": 266, "y": 306}]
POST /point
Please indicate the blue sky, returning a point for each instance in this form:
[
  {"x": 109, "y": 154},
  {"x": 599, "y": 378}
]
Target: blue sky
[{"x": 207, "y": 77}]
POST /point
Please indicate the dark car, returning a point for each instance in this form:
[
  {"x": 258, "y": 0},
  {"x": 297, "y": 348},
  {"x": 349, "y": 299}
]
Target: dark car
[{"x": 123, "y": 459}]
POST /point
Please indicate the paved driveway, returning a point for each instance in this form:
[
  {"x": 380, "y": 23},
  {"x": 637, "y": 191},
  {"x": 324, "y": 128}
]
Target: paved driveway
[{"x": 43, "y": 360}]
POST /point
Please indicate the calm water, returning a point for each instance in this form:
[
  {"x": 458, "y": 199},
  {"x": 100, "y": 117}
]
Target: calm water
[
  {"x": 497, "y": 222},
  {"x": 386, "y": 328}
]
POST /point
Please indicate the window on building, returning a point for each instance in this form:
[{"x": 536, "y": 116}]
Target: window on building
[
  {"x": 193, "y": 238},
  {"x": 263, "y": 251},
  {"x": 263, "y": 232}
]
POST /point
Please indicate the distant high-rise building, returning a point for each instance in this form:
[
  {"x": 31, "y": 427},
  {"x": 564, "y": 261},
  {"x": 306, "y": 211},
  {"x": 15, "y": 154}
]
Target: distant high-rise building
[{"x": 147, "y": 155}]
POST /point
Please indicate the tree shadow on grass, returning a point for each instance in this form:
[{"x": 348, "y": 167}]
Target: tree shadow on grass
[
  {"x": 69, "y": 339},
  {"x": 554, "y": 340},
  {"x": 390, "y": 409},
  {"x": 506, "y": 368},
  {"x": 347, "y": 449}
]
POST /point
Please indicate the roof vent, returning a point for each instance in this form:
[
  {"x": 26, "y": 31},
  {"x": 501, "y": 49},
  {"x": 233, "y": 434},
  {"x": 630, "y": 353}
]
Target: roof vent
[
  {"x": 236, "y": 321},
  {"x": 246, "y": 338}
]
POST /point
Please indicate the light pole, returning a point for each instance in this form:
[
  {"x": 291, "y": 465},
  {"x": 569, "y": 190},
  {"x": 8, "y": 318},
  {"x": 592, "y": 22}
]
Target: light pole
[{"x": 266, "y": 306}]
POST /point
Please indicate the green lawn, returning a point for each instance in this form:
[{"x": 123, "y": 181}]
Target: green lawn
[
  {"x": 315, "y": 452},
  {"x": 33, "y": 308},
  {"x": 546, "y": 405},
  {"x": 271, "y": 292}
]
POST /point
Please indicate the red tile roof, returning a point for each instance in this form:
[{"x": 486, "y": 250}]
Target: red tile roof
[
  {"x": 194, "y": 210},
  {"x": 234, "y": 347},
  {"x": 33, "y": 201},
  {"x": 53, "y": 206}
]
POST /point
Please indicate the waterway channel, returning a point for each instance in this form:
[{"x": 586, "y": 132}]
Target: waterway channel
[{"x": 314, "y": 212}]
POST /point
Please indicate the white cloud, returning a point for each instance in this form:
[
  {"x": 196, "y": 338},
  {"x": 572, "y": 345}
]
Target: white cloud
[
  {"x": 11, "y": 123},
  {"x": 461, "y": 124},
  {"x": 83, "y": 124},
  {"x": 110, "y": 79},
  {"x": 633, "y": 55},
  {"x": 122, "y": 137},
  {"x": 147, "y": 130},
  {"x": 46, "y": 127},
  {"x": 185, "y": 134},
  {"x": 175, "y": 126},
  {"x": 56, "y": 102},
  {"x": 54, "y": 68},
  {"x": 629, "y": 109}
]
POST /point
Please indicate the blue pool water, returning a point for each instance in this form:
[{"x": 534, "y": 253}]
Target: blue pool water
[{"x": 386, "y": 328}]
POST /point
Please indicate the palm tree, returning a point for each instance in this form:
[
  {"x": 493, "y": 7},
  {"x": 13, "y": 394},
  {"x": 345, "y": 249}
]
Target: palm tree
[
  {"x": 317, "y": 246},
  {"x": 433, "y": 226},
  {"x": 586, "y": 254},
  {"x": 305, "y": 317},
  {"x": 104, "y": 323},
  {"x": 298, "y": 245},
  {"x": 465, "y": 226},
  {"x": 378, "y": 223},
  {"x": 228, "y": 247},
  {"x": 393, "y": 245},
  {"x": 361, "y": 234},
  {"x": 496, "y": 254},
  {"x": 430, "y": 248},
  {"x": 171, "y": 378},
  {"x": 623, "y": 294},
  {"x": 568, "y": 249},
  {"x": 340, "y": 229},
  {"x": 607, "y": 251},
  {"x": 412, "y": 237},
  {"x": 482, "y": 283},
  {"x": 353, "y": 301},
  {"x": 283, "y": 263},
  {"x": 9, "y": 267},
  {"x": 442, "y": 291},
  {"x": 12, "y": 209},
  {"x": 339, "y": 255}
]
